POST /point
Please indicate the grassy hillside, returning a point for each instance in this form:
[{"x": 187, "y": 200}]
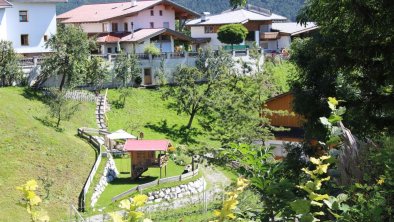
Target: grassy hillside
[
  {"x": 29, "y": 150},
  {"x": 288, "y": 8},
  {"x": 145, "y": 111}
]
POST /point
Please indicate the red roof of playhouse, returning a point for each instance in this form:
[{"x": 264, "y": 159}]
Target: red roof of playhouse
[{"x": 146, "y": 145}]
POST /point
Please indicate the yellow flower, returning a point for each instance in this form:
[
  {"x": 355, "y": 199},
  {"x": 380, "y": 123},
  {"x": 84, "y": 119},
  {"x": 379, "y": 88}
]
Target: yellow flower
[
  {"x": 125, "y": 204},
  {"x": 381, "y": 180}
]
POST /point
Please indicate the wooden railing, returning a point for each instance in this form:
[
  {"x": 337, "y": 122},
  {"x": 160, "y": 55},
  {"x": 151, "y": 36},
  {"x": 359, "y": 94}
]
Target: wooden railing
[
  {"x": 96, "y": 144},
  {"x": 141, "y": 187}
]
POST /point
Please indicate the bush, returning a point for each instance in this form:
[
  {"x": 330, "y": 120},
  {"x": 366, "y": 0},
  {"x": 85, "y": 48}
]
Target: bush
[
  {"x": 152, "y": 50},
  {"x": 138, "y": 80}
]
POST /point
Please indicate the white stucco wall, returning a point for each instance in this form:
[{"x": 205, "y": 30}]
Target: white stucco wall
[
  {"x": 284, "y": 42},
  {"x": 199, "y": 32},
  {"x": 41, "y": 21},
  {"x": 144, "y": 18},
  {"x": 3, "y": 23},
  {"x": 92, "y": 27}
]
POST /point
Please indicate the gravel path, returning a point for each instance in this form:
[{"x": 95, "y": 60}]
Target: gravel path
[{"x": 215, "y": 180}]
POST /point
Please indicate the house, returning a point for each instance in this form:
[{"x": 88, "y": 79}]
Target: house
[
  {"x": 270, "y": 31},
  {"x": 292, "y": 122},
  {"x": 28, "y": 24},
  {"x": 132, "y": 25},
  {"x": 257, "y": 20},
  {"x": 287, "y": 31}
]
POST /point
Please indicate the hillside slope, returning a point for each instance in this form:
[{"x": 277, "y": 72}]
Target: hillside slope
[
  {"x": 29, "y": 150},
  {"x": 288, "y": 8}
]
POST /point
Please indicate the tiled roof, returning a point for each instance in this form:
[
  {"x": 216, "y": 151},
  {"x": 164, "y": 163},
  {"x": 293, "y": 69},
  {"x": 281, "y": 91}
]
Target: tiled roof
[
  {"x": 5, "y": 4},
  {"x": 39, "y": 1},
  {"x": 293, "y": 28},
  {"x": 103, "y": 12},
  {"x": 139, "y": 35},
  {"x": 146, "y": 145},
  {"x": 235, "y": 16}
]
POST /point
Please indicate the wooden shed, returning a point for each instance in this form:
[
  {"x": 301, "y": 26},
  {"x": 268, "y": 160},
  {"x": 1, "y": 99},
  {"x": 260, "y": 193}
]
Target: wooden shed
[
  {"x": 145, "y": 154},
  {"x": 292, "y": 121}
]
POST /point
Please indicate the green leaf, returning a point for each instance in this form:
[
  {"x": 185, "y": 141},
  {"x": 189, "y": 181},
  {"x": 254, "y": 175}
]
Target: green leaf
[
  {"x": 341, "y": 110},
  {"x": 325, "y": 121},
  {"x": 334, "y": 119},
  {"x": 307, "y": 218},
  {"x": 301, "y": 206}
]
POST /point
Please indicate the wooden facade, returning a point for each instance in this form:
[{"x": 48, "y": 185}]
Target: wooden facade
[{"x": 291, "y": 120}]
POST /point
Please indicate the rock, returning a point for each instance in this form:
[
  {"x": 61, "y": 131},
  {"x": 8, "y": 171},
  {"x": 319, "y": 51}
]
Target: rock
[
  {"x": 180, "y": 195},
  {"x": 172, "y": 189},
  {"x": 167, "y": 191},
  {"x": 158, "y": 200},
  {"x": 110, "y": 178},
  {"x": 177, "y": 190},
  {"x": 166, "y": 197},
  {"x": 200, "y": 189},
  {"x": 161, "y": 194},
  {"x": 151, "y": 198}
]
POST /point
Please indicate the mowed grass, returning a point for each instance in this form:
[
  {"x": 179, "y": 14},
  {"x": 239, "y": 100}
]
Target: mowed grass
[
  {"x": 124, "y": 182},
  {"x": 29, "y": 150},
  {"x": 146, "y": 111}
]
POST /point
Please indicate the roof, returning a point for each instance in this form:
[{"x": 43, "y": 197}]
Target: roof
[
  {"x": 146, "y": 145},
  {"x": 120, "y": 134},
  {"x": 5, "y": 4},
  {"x": 278, "y": 97},
  {"x": 294, "y": 28},
  {"x": 140, "y": 35},
  {"x": 236, "y": 16},
  {"x": 39, "y": 1},
  {"x": 107, "y": 11}
]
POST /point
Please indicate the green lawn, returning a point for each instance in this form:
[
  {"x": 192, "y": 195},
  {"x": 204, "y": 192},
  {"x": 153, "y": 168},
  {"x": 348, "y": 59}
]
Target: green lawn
[
  {"x": 29, "y": 149},
  {"x": 124, "y": 183},
  {"x": 145, "y": 111}
]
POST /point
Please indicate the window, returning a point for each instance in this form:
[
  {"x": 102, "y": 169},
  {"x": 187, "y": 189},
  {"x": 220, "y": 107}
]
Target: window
[
  {"x": 22, "y": 16},
  {"x": 126, "y": 27},
  {"x": 209, "y": 29},
  {"x": 161, "y": 13},
  {"x": 45, "y": 38},
  {"x": 109, "y": 50},
  {"x": 25, "y": 39},
  {"x": 152, "y": 25},
  {"x": 116, "y": 50},
  {"x": 152, "y": 13},
  {"x": 264, "y": 45},
  {"x": 166, "y": 25},
  {"x": 132, "y": 26},
  {"x": 114, "y": 27}
]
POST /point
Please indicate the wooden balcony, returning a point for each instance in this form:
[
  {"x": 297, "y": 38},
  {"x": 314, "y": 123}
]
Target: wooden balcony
[{"x": 269, "y": 35}]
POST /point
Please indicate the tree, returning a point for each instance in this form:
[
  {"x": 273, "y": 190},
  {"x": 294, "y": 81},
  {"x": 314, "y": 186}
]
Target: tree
[
  {"x": 350, "y": 58},
  {"x": 97, "y": 72},
  {"x": 151, "y": 49},
  {"x": 232, "y": 34},
  {"x": 194, "y": 85},
  {"x": 237, "y": 3},
  {"x": 61, "y": 108},
  {"x": 127, "y": 68},
  {"x": 70, "y": 58},
  {"x": 10, "y": 71}
]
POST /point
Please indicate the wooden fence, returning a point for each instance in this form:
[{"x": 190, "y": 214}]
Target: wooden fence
[
  {"x": 96, "y": 144},
  {"x": 141, "y": 187}
]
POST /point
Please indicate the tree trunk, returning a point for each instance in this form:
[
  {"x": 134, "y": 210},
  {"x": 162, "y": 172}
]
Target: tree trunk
[
  {"x": 58, "y": 122},
  {"x": 189, "y": 125},
  {"x": 62, "y": 82}
]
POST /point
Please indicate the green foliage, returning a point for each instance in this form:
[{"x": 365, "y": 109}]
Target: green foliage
[
  {"x": 10, "y": 71},
  {"x": 70, "y": 58},
  {"x": 161, "y": 74},
  {"x": 131, "y": 207},
  {"x": 237, "y": 3},
  {"x": 232, "y": 33},
  {"x": 32, "y": 201},
  {"x": 230, "y": 204},
  {"x": 349, "y": 58},
  {"x": 151, "y": 49},
  {"x": 127, "y": 68},
  {"x": 97, "y": 72},
  {"x": 60, "y": 108}
]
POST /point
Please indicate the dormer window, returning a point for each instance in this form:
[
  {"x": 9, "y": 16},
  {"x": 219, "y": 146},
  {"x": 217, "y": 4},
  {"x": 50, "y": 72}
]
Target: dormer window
[
  {"x": 152, "y": 13},
  {"x": 23, "y": 16}
]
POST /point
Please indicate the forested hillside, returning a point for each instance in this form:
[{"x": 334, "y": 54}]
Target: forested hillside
[{"x": 288, "y": 8}]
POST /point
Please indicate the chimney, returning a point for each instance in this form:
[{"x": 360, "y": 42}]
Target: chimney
[
  {"x": 133, "y": 3},
  {"x": 204, "y": 16}
]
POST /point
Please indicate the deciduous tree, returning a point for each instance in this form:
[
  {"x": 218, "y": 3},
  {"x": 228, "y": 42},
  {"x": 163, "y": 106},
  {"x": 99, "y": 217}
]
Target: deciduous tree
[
  {"x": 10, "y": 71},
  {"x": 232, "y": 34},
  {"x": 60, "y": 108},
  {"x": 127, "y": 68},
  {"x": 69, "y": 60}
]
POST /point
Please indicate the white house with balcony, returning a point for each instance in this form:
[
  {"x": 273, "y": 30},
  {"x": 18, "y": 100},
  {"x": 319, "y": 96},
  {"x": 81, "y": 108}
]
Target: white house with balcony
[
  {"x": 132, "y": 25},
  {"x": 266, "y": 29},
  {"x": 28, "y": 24}
]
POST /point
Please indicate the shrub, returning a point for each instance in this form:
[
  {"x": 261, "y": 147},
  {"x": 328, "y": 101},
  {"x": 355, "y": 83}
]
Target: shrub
[
  {"x": 152, "y": 50},
  {"x": 138, "y": 80}
]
